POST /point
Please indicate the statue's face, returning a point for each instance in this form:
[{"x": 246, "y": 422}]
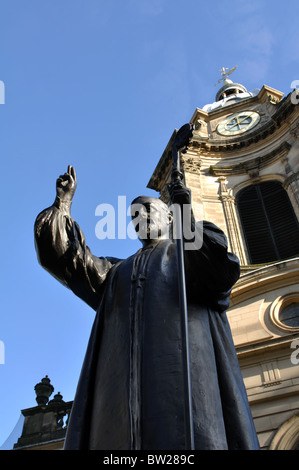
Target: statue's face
[{"x": 151, "y": 218}]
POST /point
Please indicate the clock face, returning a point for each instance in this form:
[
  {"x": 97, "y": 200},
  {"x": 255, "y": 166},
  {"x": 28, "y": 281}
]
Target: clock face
[{"x": 238, "y": 123}]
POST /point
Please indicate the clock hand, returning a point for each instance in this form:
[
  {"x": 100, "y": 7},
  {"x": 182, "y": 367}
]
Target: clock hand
[
  {"x": 239, "y": 122},
  {"x": 245, "y": 118},
  {"x": 235, "y": 124}
]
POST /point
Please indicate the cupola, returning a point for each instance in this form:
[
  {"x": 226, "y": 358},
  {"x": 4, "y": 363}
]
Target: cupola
[{"x": 229, "y": 88}]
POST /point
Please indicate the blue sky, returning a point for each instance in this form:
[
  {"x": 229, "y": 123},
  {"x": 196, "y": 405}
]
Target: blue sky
[{"x": 102, "y": 85}]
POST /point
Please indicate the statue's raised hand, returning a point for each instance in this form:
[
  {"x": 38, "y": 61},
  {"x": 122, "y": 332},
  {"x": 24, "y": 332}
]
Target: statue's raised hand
[{"x": 66, "y": 185}]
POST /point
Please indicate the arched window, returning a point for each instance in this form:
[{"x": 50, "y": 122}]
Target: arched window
[
  {"x": 287, "y": 435},
  {"x": 269, "y": 222}
]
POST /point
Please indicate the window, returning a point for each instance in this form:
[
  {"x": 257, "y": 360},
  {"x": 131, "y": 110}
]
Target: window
[
  {"x": 284, "y": 312},
  {"x": 289, "y": 315},
  {"x": 269, "y": 223}
]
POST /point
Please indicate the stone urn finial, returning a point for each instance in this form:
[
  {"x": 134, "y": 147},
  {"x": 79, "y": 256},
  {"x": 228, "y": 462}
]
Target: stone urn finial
[{"x": 43, "y": 391}]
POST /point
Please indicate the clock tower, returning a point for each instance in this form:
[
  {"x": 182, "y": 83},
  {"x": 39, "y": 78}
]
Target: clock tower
[{"x": 242, "y": 167}]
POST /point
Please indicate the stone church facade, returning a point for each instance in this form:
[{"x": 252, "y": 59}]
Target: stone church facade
[{"x": 242, "y": 167}]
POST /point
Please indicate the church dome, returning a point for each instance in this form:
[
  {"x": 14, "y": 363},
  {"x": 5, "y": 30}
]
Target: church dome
[{"x": 230, "y": 88}]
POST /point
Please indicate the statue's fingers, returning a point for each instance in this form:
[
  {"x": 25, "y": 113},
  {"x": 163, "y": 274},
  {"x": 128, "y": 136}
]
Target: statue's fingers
[{"x": 73, "y": 173}]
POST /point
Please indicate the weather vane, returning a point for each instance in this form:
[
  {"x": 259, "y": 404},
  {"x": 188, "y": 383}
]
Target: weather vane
[{"x": 225, "y": 74}]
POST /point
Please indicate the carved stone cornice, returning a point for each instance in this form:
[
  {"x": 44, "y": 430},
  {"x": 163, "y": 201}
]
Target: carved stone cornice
[
  {"x": 284, "y": 109},
  {"x": 293, "y": 177},
  {"x": 249, "y": 165},
  {"x": 237, "y": 143}
]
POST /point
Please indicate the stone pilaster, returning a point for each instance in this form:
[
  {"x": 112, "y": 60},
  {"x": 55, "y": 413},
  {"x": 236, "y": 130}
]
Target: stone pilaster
[{"x": 232, "y": 223}]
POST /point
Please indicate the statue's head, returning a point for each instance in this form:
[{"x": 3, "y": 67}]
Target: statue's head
[{"x": 152, "y": 218}]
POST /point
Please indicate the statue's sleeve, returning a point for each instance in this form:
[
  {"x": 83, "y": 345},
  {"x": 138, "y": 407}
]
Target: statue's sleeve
[
  {"x": 62, "y": 251},
  {"x": 211, "y": 270}
]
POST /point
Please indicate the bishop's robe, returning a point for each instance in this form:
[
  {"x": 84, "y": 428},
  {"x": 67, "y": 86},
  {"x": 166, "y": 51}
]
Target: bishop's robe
[{"x": 130, "y": 393}]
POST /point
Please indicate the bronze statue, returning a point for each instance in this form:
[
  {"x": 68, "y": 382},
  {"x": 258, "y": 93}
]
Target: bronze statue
[{"x": 131, "y": 392}]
